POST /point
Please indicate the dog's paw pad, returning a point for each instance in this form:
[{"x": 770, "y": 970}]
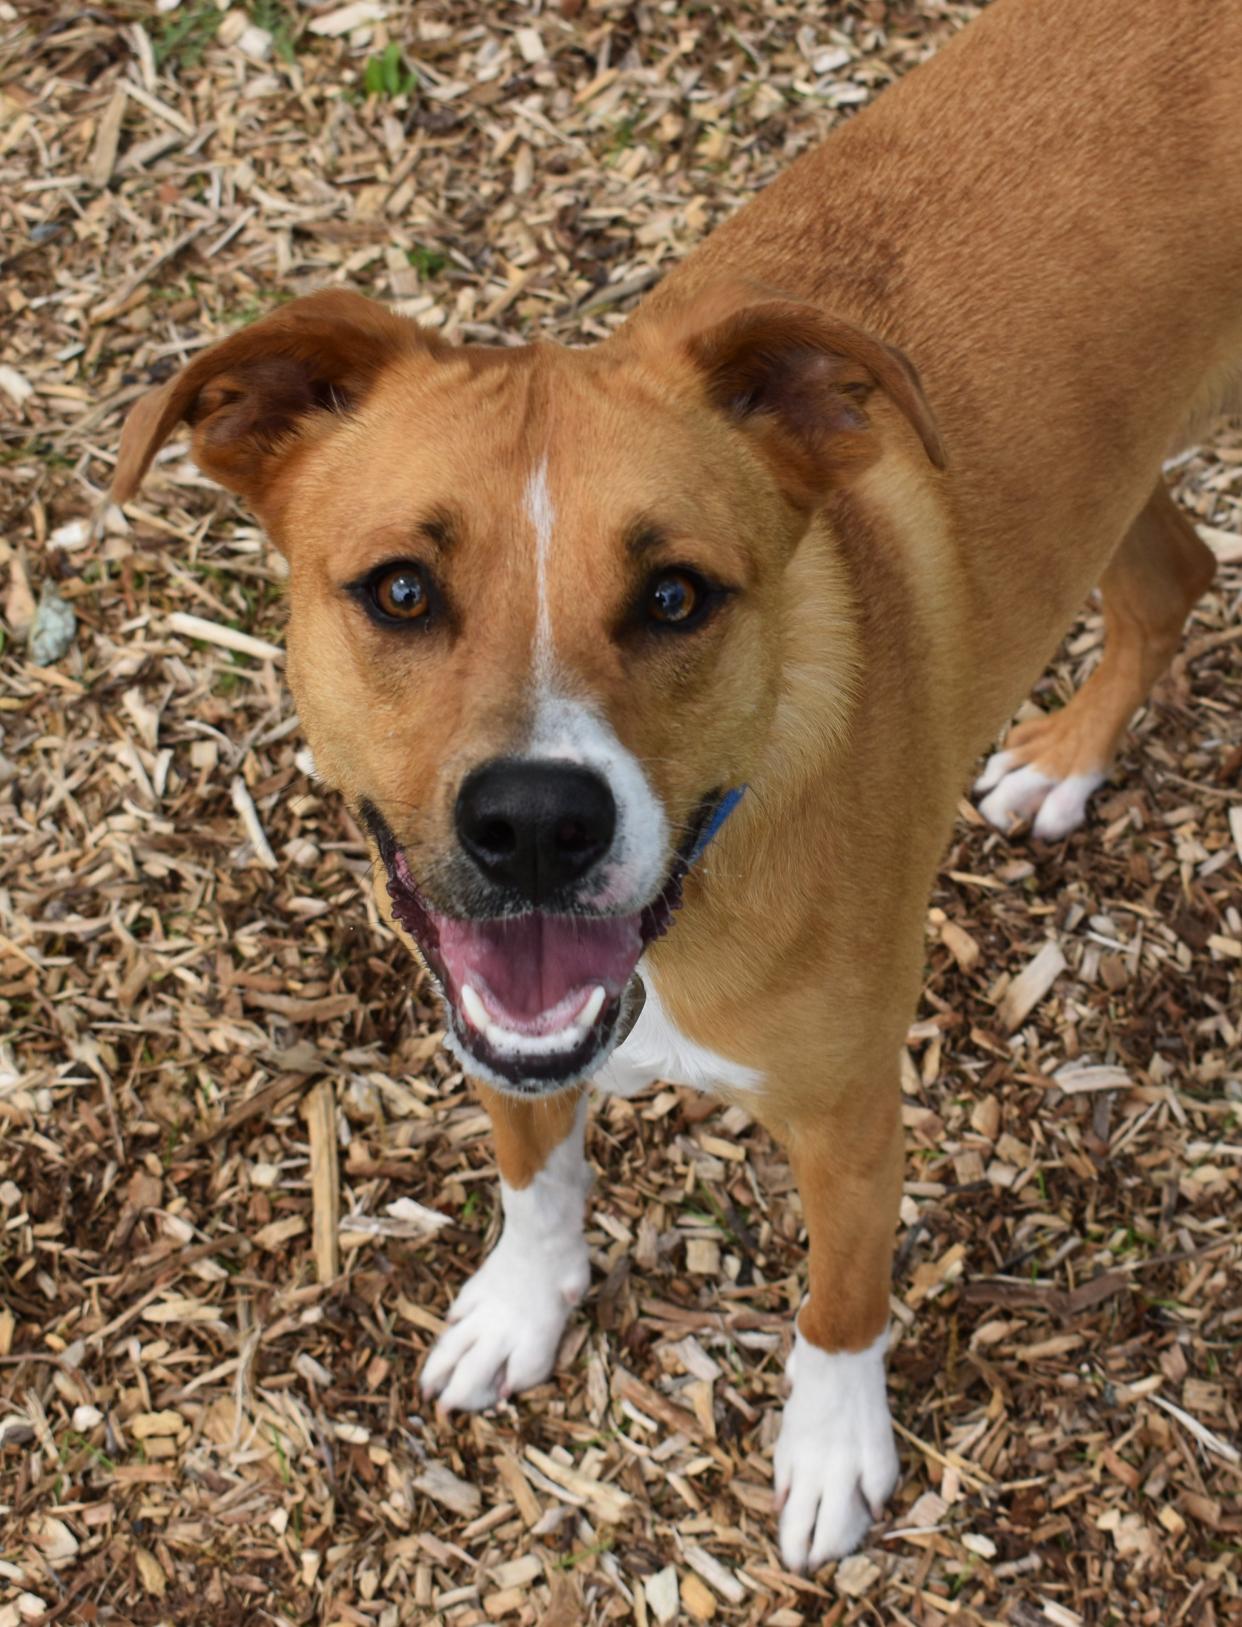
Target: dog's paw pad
[{"x": 836, "y": 1464}]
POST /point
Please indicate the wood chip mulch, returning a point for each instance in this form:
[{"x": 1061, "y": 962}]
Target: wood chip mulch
[{"x": 194, "y": 1429}]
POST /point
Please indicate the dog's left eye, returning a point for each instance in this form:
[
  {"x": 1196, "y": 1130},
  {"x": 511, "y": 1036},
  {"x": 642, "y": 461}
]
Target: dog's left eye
[{"x": 676, "y": 599}]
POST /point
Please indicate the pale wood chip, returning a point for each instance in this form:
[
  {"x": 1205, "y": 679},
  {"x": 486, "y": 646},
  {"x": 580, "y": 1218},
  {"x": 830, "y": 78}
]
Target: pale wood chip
[
  {"x": 438, "y": 1482},
  {"x": 1031, "y": 985}
]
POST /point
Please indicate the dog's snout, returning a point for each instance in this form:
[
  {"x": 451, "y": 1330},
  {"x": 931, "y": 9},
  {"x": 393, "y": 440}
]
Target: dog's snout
[{"x": 535, "y": 826}]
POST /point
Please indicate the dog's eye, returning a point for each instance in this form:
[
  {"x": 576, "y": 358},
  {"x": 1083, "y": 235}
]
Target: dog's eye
[
  {"x": 400, "y": 593},
  {"x": 676, "y": 599}
]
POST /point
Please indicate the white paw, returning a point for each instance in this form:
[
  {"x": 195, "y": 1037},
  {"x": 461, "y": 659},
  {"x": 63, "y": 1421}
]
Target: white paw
[
  {"x": 836, "y": 1464},
  {"x": 505, "y": 1324},
  {"x": 1057, "y": 806}
]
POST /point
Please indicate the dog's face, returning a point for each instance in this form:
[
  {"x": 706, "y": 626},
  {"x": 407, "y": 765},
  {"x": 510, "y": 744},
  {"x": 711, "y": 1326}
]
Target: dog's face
[{"x": 536, "y": 600}]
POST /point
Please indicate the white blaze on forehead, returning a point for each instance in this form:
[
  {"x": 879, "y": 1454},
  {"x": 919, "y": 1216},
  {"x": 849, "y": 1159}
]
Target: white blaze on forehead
[
  {"x": 542, "y": 516},
  {"x": 571, "y": 730}
]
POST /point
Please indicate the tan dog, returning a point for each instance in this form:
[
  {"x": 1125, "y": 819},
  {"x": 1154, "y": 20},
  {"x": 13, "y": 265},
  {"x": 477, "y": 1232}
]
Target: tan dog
[{"x": 550, "y": 608}]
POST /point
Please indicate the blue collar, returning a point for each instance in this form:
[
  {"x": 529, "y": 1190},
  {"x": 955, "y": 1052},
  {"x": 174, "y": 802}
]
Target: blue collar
[{"x": 711, "y": 829}]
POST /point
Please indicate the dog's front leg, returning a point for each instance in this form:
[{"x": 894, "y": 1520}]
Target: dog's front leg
[
  {"x": 506, "y": 1323},
  {"x": 836, "y": 1463}
]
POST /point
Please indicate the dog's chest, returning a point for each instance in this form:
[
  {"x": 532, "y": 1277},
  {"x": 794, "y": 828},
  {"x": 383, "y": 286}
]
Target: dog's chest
[{"x": 656, "y": 1049}]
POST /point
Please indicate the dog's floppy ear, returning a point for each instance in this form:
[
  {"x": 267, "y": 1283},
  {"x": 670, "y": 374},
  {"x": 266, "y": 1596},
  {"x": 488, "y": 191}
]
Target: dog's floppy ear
[
  {"x": 249, "y": 396},
  {"x": 798, "y": 380}
]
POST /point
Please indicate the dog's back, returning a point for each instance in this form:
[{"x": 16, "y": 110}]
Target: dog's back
[
  {"x": 1058, "y": 167},
  {"x": 1059, "y": 178}
]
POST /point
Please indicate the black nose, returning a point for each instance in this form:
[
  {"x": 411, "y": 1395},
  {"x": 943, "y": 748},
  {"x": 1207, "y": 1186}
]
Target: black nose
[{"x": 535, "y": 826}]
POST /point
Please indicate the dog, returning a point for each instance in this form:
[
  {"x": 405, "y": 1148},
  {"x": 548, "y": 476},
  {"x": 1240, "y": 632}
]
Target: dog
[{"x": 654, "y": 670}]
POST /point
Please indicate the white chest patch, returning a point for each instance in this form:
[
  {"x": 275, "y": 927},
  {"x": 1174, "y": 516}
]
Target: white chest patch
[{"x": 656, "y": 1048}]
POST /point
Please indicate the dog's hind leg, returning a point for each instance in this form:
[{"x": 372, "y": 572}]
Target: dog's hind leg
[
  {"x": 1049, "y": 766},
  {"x": 505, "y": 1324}
]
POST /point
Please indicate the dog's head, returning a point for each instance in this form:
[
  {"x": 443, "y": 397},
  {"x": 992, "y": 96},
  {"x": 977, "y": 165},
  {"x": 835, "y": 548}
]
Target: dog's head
[{"x": 536, "y": 605}]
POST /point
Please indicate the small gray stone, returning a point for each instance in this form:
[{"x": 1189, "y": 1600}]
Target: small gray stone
[{"x": 52, "y": 630}]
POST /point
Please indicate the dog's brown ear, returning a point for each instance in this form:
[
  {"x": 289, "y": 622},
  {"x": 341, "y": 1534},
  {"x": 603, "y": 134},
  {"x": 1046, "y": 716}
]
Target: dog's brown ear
[
  {"x": 247, "y": 397},
  {"x": 798, "y": 381}
]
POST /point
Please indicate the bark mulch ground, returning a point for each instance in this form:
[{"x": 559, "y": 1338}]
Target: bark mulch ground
[{"x": 196, "y": 993}]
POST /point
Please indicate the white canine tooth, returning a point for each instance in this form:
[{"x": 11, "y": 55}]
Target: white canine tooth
[
  {"x": 593, "y": 1007},
  {"x": 474, "y": 1009}
]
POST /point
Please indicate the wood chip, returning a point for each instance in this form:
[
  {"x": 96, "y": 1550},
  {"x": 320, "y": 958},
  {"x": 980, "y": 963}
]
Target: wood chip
[
  {"x": 697, "y": 1600},
  {"x": 146, "y": 1424},
  {"x": 517, "y": 1572},
  {"x": 320, "y": 1111},
  {"x": 713, "y": 1572},
  {"x": 346, "y": 18},
  {"x": 1226, "y": 545},
  {"x": 438, "y": 1482},
  {"x": 703, "y": 1256},
  {"x": 519, "y": 1488},
  {"x": 107, "y": 137},
  {"x": 274, "y": 1237},
  {"x": 1030, "y": 985},
  {"x": 154, "y": 1577},
  {"x": 1207, "y": 1438},
  {"x": 1077, "y": 1077},
  {"x": 662, "y": 1595},
  {"x": 856, "y": 1576},
  {"x": 961, "y": 945},
  {"x": 228, "y": 638},
  {"x": 608, "y": 1502},
  {"x": 257, "y": 836}
]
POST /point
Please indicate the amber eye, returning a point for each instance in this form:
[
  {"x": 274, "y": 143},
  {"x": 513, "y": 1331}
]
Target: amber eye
[
  {"x": 674, "y": 599},
  {"x": 400, "y": 593}
]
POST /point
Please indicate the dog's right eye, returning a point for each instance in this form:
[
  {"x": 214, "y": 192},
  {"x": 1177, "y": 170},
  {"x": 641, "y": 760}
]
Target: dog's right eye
[{"x": 395, "y": 594}]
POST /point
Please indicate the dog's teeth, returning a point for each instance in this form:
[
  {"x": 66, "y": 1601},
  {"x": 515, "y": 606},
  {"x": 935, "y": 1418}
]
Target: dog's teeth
[
  {"x": 474, "y": 1009},
  {"x": 565, "y": 1039},
  {"x": 510, "y": 1043},
  {"x": 593, "y": 1007}
]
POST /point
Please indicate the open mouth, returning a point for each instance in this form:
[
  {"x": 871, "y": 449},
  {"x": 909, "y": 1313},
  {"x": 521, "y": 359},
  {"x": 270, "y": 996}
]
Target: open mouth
[{"x": 534, "y": 999}]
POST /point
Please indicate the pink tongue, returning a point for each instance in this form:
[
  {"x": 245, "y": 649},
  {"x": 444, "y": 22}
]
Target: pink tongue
[{"x": 529, "y": 964}]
